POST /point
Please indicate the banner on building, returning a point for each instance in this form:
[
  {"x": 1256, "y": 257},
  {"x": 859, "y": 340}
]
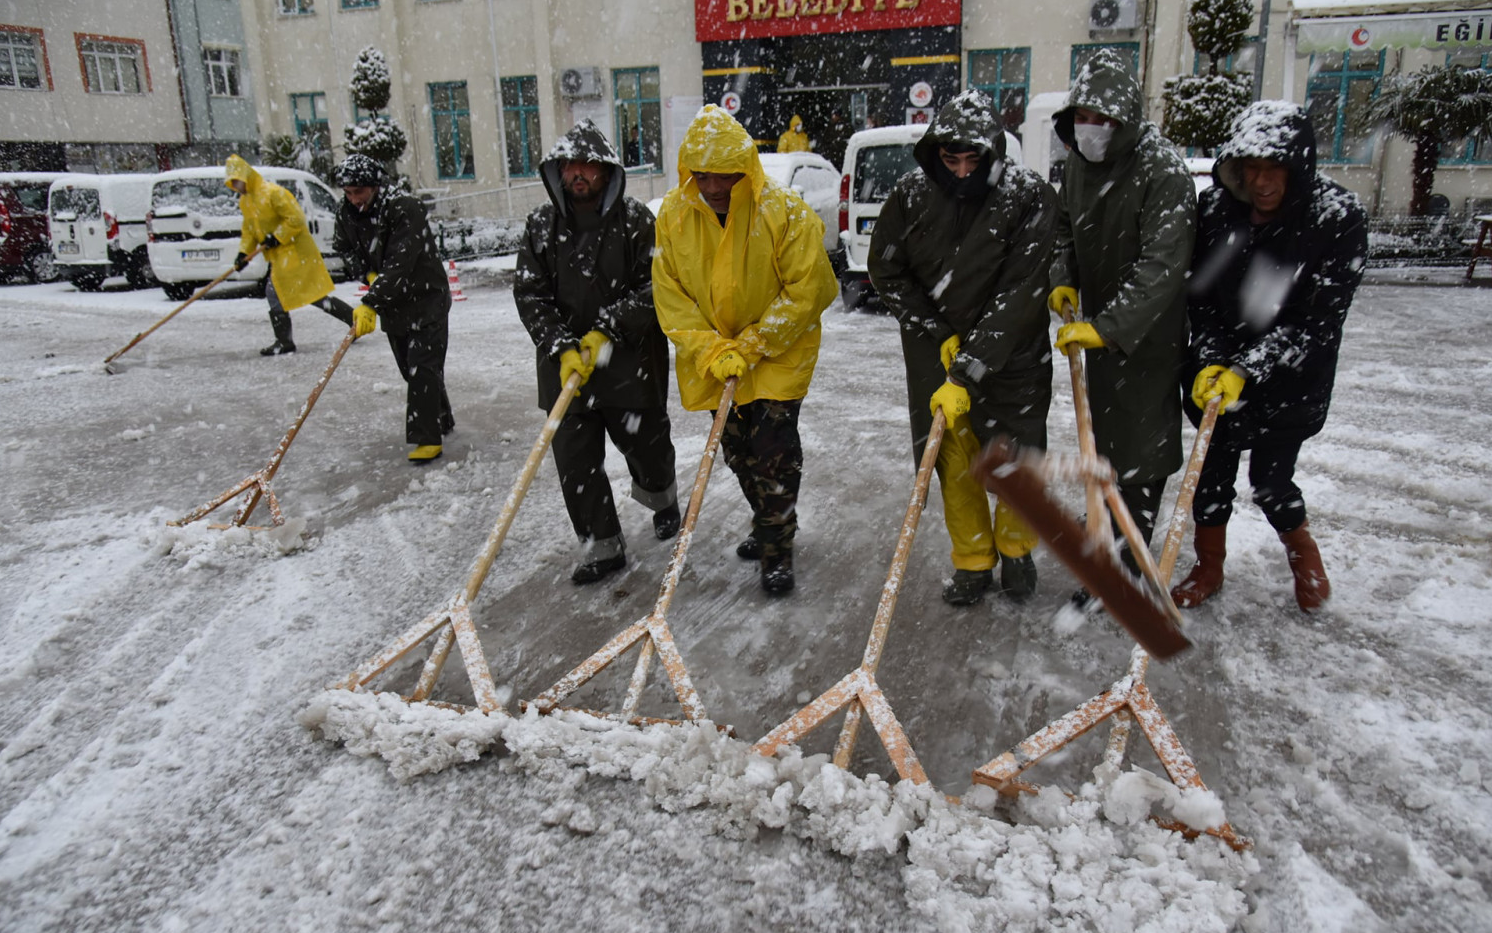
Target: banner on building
[
  {"x": 720, "y": 20},
  {"x": 1402, "y": 31}
]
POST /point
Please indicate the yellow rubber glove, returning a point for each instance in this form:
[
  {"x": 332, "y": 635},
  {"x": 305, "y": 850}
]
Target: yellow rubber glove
[
  {"x": 370, "y": 277},
  {"x": 949, "y": 350},
  {"x": 595, "y": 347},
  {"x": 728, "y": 364},
  {"x": 1080, "y": 333},
  {"x": 1219, "y": 381},
  {"x": 954, "y": 400},
  {"x": 364, "y": 319},
  {"x": 571, "y": 363},
  {"x": 1062, "y": 294}
]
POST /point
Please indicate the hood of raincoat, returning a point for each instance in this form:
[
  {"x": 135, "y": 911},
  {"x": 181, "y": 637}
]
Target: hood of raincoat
[
  {"x": 1107, "y": 86},
  {"x": 969, "y": 119},
  {"x": 584, "y": 143},
  {"x": 715, "y": 142},
  {"x": 240, "y": 170},
  {"x": 795, "y": 124},
  {"x": 1276, "y": 130}
]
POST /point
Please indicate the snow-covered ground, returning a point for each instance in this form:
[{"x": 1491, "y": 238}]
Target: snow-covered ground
[{"x": 163, "y": 713}]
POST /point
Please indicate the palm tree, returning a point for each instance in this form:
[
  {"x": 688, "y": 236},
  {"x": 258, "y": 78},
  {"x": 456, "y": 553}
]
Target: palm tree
[{"x": 1432, "y": 107}]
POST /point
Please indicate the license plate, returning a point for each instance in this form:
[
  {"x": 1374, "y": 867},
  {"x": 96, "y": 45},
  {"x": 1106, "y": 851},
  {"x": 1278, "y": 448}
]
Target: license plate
[
  {"x": 72, "y": 249},
  {"x": 867, "y": 225},
  {"x": 200, "y": 255}
]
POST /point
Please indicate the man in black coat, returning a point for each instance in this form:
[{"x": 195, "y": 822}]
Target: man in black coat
[
  {"x": 584, "y": 289},
  {"x": 1280, "y": 252},
  {"x": 385, "y": 238}
]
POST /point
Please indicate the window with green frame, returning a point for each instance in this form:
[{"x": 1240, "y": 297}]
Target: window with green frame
[
  {"x": 309, "y": 112},
  {"x": 1474, "y": 150},
  {"x": 1240, "y": 62},
  {"x": 1341, "y": 86},
  {"x": 521, "y": 124},
  {"x": 359, "y": 4},
  {"x": 1005, "y": 75},
  {"x": 1083, "y": 54},
  {"x": 639, "y": 117},
  {"x": 451, "y": 111}
]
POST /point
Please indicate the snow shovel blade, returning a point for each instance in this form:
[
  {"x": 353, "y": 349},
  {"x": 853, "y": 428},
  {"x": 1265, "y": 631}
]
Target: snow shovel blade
[{"x": 1014, "y": 477}]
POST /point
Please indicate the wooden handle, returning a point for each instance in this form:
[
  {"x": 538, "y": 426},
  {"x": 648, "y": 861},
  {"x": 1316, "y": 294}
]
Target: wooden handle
[{"x": 178, "y": 309}]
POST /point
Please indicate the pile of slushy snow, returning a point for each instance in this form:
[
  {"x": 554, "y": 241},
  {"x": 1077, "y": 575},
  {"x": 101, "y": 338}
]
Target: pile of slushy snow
[{"x": 1090, "y": 861}]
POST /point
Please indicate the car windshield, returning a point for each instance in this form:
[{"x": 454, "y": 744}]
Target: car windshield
[
  {"x": 194, "y": 195},
  {"x": 878, "y": 167},
  {"x": 81, "y": 202}
]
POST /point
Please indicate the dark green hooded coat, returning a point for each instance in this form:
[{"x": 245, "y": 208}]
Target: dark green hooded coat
[
  {"x": 1124, "y": 240},
  {"x": 969, "y": 257},
  {"x": 578, "y": 274}
]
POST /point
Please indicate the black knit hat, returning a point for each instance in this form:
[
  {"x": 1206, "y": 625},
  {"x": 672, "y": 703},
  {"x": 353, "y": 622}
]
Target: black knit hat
[{"x": 359, "y": 171}]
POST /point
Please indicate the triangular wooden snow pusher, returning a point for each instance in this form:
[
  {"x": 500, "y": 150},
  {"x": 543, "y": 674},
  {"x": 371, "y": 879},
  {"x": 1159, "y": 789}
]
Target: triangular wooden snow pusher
[
  {"x": 256, "y": 485},
  {"x": 177, "y": 310},
  {"x": 452, "y": 623},
  {"x": 858, "y": 690},
  {"x": 1128, "y": 700},
  {"x": 652, "y": 630}
]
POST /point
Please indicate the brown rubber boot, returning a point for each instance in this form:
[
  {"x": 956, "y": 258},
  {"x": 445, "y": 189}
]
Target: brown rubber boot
[
  {"x": 1311, "y": 586},
  {"x": 1206, "y": 576}
]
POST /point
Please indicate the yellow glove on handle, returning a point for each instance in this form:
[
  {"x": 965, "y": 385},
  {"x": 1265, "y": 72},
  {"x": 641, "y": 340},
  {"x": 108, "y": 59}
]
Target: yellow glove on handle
[
  {"x": 1217, "y": 381},
  {"x": 571, "y": 363},
  {"x": 954, "y": 400},
  {"x": 370, "y": 277},
  {"x": 1062, "y": 294},
  {"x": 364, "y": 319},
  {"x": 949, "y": 350},
  {"x": 728, "y": 364},
  {"x": 1080, "y": 333},
  {"x": 596, "y": 348}
]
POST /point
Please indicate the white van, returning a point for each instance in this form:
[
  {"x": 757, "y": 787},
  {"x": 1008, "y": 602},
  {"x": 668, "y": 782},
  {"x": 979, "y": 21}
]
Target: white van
[
  {"x": 97, "y": 224},
  {"x": 874, "y": 160},
  {"x": 194, "y": 225}
]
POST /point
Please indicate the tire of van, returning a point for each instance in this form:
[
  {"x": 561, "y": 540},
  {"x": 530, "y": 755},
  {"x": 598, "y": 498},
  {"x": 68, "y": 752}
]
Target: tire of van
[
  {"x": 852, "y": 293},
  {"x": 41, "y": 267},
  {"x": 179, "y": 291},
  {"x": 138, "y": 271},
  {"x": 89, "y": 281}
]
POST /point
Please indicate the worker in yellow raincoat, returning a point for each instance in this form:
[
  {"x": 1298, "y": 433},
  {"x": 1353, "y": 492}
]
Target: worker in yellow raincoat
[
  {"x": 297, "y": 276},
  {"x": 740, "y": 278},
  {"x": 794, "y": 140}
]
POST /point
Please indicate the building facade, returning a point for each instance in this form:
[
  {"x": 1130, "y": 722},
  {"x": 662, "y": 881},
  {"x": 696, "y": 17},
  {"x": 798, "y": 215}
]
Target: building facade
[{"x": 482, "y": 88}]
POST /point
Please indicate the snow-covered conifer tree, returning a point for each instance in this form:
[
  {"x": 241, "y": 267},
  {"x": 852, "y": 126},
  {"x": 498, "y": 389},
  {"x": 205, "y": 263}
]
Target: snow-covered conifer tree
[{"x": 1200, "y": 108}]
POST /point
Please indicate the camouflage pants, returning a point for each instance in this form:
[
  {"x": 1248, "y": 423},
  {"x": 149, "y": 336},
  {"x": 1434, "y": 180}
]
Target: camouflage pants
[{"x": 762, "y": 448}]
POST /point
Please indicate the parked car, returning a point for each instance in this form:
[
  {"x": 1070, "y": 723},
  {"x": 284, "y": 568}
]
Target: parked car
[
  {"x": 194, "y": 225},
  {"x": 816, "y": 180},
  {"x": 98, "y": 228},
  {"x": 874, "y": 160},
  {"x": 1200, "y": 170},
  {"x": 25, "y": 242}
]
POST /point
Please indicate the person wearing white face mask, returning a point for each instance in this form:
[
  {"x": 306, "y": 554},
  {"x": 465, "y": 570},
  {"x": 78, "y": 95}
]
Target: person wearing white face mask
[{"x": 1125, "y": 229}]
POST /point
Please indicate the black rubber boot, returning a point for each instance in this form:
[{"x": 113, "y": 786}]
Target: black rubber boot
[
  {"x": 967, "y": 587},
  {"x": 666, "y": 522},
  {"x": 777, "y": 573},
  {"x": 277, "y": 349},
  {"x": 749, "y": 548},
  {"x": 1018, "y": 577},
  {"x": 597, "y": 569}
]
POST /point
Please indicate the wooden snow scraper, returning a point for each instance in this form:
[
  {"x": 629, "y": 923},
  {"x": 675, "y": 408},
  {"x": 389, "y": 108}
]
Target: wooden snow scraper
[
  {"x": 255, "y": 486},
  {"x": 109, "y": 360},
  {"x": 1146, "y": 610},
  {"x": 652, "y": 631},
  {"x": 452, "y": 623},
  {"x": 858, "y": 693}
]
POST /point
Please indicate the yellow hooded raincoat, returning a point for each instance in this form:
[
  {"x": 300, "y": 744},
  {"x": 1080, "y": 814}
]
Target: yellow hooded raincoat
[
  {"x": 794, "y": 140},
  {"x": 756, "y": 285},
  {"x": 295, "y": 266}
]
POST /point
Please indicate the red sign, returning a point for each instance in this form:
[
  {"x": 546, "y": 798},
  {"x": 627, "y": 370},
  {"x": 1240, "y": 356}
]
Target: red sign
[{"x": 717, "y": 20}]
